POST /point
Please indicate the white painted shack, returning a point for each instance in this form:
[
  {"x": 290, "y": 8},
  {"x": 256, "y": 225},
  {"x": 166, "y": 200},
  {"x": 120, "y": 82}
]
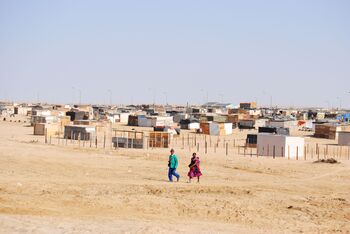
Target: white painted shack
[
  {"x": 41, "y": 112},
  {"x": 280, "y": 145},
  {"x": 344, "y": 138},
  {"x": 123, "y": 118},
  {"x": 23, "y": 110},
  {"x": 155, "y": 121},
  {"x": 260, "y": 123},
  {"x": 43, "y": 119},
  {"x": 218, "y": 129}
]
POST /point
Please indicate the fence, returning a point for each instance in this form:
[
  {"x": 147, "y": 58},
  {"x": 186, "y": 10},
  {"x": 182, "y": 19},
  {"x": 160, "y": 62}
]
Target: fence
[{"x": 213, "y": 145}]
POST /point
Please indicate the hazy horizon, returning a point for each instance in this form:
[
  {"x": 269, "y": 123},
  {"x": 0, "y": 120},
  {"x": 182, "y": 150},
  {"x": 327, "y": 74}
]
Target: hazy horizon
[{"x": 297, "y": 52}]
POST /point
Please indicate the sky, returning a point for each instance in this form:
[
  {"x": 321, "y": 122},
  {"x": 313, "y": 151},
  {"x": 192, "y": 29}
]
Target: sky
[{"x": 293, "y": 53}]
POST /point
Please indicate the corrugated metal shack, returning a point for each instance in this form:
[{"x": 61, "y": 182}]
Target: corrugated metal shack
[
  {"x": 76, "y": 132},
  {"x": 327, "y": 131},
  {"x": 278, "y": 131},
  {"x": 128, "y": 139},
  {"x": 246, "y": 124},
  {"x": 190, "y": 124},
  {"x": 344, "y": 138},
  {"x": 216, "y": 129},
  {"x": 78, "y": 115},
  {"x": 133, "y": 120}
]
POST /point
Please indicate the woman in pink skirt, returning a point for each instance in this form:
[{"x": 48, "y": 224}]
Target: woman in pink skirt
[{"x": 195, "y": 170}]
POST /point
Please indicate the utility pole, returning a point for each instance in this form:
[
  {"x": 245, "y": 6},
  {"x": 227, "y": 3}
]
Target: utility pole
[
  {"x": 339, "y": 99},
  {"x": 110, "y": 96},
  {"x": 271, "y": 101},
  {"x": 73, "y": 94},
  {"x": 166, "y": 97},
  {"x": 79, "y": 96}
]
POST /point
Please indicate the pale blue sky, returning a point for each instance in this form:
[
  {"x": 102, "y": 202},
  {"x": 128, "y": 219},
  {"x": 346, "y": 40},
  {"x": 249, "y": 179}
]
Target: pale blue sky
[{"x": 296, "y": 51}]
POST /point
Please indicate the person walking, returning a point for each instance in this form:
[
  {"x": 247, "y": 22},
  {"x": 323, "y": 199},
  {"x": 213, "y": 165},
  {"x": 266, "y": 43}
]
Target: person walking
[
  {"x": 173, "y": 164},
  {"x": 195, "y": 170}
]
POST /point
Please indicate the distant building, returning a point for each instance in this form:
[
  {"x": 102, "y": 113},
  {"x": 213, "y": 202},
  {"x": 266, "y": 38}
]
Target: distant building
[{"x": 248, "y": 105}]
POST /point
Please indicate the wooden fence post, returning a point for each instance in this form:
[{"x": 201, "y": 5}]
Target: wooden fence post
[
  {"x": 183, "y": 142},
  {"x": 104, "y": 140},
  {"x": 45, "y": 135},
  {"x": 206, "y": 147},
  {"x": 297, "y": 153},
  {"x": 226, "y": 149},
  {"x": 288, "y": 152},
  {"x": 263, "y": 151}
]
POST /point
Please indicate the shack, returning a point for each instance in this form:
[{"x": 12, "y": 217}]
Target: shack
[
  {"x": 252, "y": 140},
  {"x": 190, "y": 124},
  {"x": 128, "y": 139},
  {"x": 78, "y": 115},
  {"x": 40, "y": 129},
  {"x": 155, "y": 121},
  {"x": 82, "y": 132},
  {"x": 280, "y": 145},
  {"x": 246, "y": 124},
  {"x": 43, "y": 119},
  {"x": 216, "y": 129},
  {"x": 278, "y": 131},
  {"x": 327, "y": 131},
  {"x": 159, "y": 139},
  {"x": 344, "y": 138},
  {"x": 291, "y": 124}
]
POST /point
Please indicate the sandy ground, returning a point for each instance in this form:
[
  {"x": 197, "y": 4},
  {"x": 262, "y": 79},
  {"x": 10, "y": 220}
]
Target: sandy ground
[{"x": 58, "y": 189}]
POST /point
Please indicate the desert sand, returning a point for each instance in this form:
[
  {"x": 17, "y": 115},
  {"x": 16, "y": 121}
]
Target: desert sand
[{"x": 59, "y": 189}]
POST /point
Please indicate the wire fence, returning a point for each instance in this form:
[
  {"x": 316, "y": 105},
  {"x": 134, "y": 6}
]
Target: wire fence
[{"x": 211, "y": 145}]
